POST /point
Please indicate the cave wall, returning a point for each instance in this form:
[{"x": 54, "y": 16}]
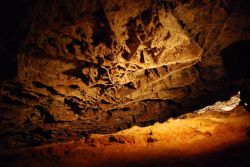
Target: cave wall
[{"x": 99, "y": 66}]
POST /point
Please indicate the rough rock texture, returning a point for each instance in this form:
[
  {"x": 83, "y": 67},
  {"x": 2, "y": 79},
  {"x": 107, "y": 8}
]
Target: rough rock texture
[
  {"x": 208, "y": 139},
  {"x": 98, "y": 66}
]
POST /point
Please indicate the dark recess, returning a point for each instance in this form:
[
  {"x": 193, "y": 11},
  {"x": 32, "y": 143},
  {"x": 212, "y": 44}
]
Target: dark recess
[
  {"x": 102, "y": 30},
  {"x": 73, "y": 104},
  {"x": 12, "y": 14},
  {"x": 47, "y": 117},
  {"x": 236, "y": 59},
  {"x": 146, "y": 16}
]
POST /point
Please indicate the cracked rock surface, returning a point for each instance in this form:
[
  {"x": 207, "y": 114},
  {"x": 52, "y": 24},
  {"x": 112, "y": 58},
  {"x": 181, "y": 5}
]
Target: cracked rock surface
[{"x": 99, "y": 66}]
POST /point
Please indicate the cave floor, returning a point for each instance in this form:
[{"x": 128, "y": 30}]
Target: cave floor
[{"x": 196, "y": 139}]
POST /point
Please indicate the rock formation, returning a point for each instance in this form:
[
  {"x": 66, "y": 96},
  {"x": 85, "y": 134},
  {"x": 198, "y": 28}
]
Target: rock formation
[{"x": 99, "y": 66}]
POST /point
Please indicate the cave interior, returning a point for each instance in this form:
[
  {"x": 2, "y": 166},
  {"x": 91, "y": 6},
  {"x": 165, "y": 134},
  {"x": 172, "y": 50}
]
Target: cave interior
[{"x": 124, "y": 83}]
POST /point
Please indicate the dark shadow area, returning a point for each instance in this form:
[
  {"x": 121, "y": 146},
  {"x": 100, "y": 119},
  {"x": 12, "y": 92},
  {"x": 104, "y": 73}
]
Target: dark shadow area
[
  {"x": 236, "y": 59},
  {"x": 12, "y": 14},
  {"x": 234, "y": 155}
]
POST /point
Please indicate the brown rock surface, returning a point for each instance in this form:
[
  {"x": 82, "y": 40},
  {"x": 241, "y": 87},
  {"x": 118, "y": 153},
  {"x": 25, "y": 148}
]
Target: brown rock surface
[
  {"x": 206, "y": 139},
  {"x": 99, "y": 66}
]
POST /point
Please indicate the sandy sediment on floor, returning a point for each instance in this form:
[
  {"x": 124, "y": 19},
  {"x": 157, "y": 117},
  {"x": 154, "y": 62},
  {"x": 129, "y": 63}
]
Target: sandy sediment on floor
[{"x": 178, "y": 142}]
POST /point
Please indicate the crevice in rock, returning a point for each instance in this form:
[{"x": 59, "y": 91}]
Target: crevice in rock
[
  {"x": 132, "y": 42},
  {"x": 102, "y": 31},
  {"x": 146, "y": 16},
  {"x": 74, "y": 87},
  {"x": 130, "y": 85},
  {"x": 47, "y": 117},
  {"x": 142, "y": 60},
  {"x": 49, "y": 88},
  {"x": 72, "y": 102}
]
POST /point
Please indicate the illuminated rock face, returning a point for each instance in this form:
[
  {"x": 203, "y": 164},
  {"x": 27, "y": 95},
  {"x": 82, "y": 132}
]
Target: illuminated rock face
[{"x": 91, "y": 66}]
